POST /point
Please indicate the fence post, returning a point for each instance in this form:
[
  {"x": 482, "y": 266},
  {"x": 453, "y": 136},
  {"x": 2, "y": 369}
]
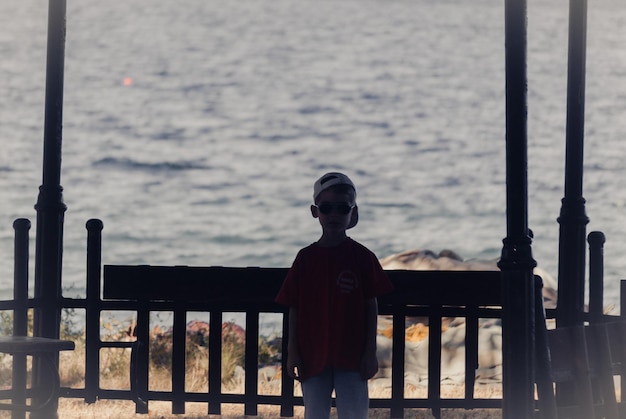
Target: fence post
[
  {"x": 140, "y": 359},
  {"x": 179, "y": 336},
  {"x": 596, "y": 241},
  {"x": 287, "y": 384},
  {"x": 20, "y": 277},
  {"x": 92, "y": 322},
  {"x": 215, "y": 363},
  {"x": 251, "y": 362},
  {"x": 397, "y": 362},
  {"x": 20, "y": 311}
]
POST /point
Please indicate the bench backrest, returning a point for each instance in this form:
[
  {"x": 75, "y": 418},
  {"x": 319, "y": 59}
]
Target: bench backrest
[{"x": 434, "y": 295}]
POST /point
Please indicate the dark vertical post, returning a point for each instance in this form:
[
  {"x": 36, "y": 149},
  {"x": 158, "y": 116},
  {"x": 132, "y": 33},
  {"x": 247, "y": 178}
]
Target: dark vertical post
[
  {"x": 215, "y": 363},
  {"x": 573, "y": 220},
  {"x": 50, "y": 207},
  {"x": 92, "y": 322},
  {"x": 286, "y": 382},
  {"x": 596, "y": 275},
  {"x": 20, "y": 277},
  {"x": 178, "y": 360},
  {"x": 398, "y": 363},
  {"x": 543, "y": 378},
  {"x": 140, "y": 358},
  {"x": 517, "y": 263},
  {"x": 252, "y": 363},
  {"x": 20, "y": 311}
]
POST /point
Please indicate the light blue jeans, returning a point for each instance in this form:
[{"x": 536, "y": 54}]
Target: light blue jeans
[{"x": 351, "y": 395}]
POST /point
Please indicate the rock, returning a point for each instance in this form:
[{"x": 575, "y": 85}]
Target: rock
[
  {"x": 453, "y": 329},
  {"x": 448, "y": 260},
  {"x": 452, "y": 356},
  {"x": 427, "y": 260}
]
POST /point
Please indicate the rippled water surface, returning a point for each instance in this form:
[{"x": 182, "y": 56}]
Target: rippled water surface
[{"x": 194, "y": 129}]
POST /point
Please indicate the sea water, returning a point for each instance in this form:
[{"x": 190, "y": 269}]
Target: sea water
[{"x": 195, "y": 128}]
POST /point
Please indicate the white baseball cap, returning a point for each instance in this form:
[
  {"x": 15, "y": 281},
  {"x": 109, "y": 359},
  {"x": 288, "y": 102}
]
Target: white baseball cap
[{"x": 331, "y": 179}]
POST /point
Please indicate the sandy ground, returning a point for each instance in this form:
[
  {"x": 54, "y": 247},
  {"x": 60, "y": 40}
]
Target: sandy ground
[{"x": 116, "y": 409}]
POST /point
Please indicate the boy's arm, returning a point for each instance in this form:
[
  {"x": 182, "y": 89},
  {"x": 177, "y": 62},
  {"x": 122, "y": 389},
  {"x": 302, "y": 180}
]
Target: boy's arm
[
  {"x": 369, "y": 363},
  {"x": 294, "y": 364}
]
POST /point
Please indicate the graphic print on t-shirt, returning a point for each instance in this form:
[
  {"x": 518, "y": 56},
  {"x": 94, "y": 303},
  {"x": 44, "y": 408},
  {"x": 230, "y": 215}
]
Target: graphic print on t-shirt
[{"x": 347, "y": 281}]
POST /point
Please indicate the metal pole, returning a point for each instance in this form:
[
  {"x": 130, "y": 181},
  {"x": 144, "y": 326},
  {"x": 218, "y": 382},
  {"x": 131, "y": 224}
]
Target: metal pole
[
  {"x": 50, "y": 207},
  {"x": 573, "y": 220},
  {"x": 517, "y": 263}
]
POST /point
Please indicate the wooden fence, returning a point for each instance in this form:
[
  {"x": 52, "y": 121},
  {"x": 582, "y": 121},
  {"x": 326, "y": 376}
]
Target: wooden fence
[{"x": 435, "y": 295}]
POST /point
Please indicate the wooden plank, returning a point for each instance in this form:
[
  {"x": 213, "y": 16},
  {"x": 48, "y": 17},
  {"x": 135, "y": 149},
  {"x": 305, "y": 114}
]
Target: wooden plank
[
  {"x": 223, "y": 284},
  {"x": 431, "y": 288},
  {"x": 203, "y": 284},
  {"x": 31, "y": 345}
]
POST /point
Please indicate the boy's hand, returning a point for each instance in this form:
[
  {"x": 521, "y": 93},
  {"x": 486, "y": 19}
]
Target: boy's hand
[
  {"x": 369, "y": 365},
  {"x": 294, "y": 365}
]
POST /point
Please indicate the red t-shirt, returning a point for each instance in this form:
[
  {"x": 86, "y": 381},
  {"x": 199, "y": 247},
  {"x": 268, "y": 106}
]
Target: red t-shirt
[{"x": 329, "y": 287}]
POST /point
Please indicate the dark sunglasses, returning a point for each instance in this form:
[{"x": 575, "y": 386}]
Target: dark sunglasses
[{"x": 342, "y": 208}]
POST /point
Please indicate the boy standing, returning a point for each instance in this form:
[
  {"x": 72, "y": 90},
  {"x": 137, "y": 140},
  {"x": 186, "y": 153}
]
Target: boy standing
[{"x": 331, "y": 292}]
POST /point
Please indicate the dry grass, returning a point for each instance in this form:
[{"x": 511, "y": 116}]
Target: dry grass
[
  {"x": 115, "y": 409},
  {"x": 115, "y": 367}
]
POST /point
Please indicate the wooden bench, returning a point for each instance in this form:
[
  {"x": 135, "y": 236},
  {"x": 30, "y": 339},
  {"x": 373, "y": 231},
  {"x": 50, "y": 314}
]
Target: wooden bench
[
  {"x": 433, "y": 295},
  {"x": 44, "y": 349}
]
